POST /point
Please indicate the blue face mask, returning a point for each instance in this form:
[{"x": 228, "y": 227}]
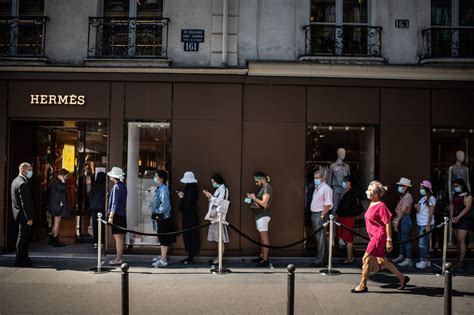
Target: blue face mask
[
  {"x": 422, "y": 192},
  {"x": 457, "y": 189},
  {"x": 317, "y": 181},
  {"x": 400, "y": 189},
  {"x": 215, "y": 185},
  {"x": 29, "y": 174},
  {"x": 155, "y": 179},
  {"x": 344, "y": 185}
]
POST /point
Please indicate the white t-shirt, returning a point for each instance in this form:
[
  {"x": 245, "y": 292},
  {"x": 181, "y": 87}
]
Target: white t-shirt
[{"x": 424, "y": 212}]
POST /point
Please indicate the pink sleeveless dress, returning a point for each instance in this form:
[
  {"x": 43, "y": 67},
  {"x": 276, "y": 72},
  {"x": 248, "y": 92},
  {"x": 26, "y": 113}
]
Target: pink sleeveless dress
[{"x": 376, "y": 219}]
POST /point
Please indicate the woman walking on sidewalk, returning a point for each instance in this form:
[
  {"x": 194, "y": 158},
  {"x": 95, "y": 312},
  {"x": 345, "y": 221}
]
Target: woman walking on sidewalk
[
  {"x": 377, "y": 222},
  {"x": 425, "y": 219},
  {"x": 117, "y": 213}
]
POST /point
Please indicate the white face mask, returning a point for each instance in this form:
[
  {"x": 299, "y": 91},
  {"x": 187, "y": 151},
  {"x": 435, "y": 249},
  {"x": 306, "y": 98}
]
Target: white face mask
[{"x": 368, "y": 194}]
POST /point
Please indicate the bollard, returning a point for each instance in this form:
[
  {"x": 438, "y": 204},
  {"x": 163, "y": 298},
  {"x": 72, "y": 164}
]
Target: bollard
[
  {"x": 124, "y": 267},
  {"x": 330, "y": 271},
  {"x": 220, "y": 270},
  {"x": 99, "y": 268},
  {"x": 448, "y": 289},
  {"x": 445, "y": 247},
  {"x": 290, "y": 309}
]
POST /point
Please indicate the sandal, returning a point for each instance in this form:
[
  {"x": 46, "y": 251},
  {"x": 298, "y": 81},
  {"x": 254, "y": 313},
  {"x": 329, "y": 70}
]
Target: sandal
[
  {"x": 405, "y": 281},
  {"x": 364, "y": 290},
  {"x": 347, "y": 261}
]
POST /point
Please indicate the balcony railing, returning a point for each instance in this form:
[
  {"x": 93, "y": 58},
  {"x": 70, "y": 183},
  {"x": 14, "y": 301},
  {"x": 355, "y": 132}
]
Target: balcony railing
[
  {"x": 22, "y": 36},
  {"x": 447, "y": 42},
  {"x": 116, "y": 37},
  {"x": 346, "y": 40}
]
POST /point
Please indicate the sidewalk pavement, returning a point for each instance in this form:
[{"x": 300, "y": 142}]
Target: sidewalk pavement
[{"x": 64, "y": 285}]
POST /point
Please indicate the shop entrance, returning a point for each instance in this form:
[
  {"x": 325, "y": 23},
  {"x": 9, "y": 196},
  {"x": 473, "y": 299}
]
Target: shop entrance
[{"x": 79, "y": 147}]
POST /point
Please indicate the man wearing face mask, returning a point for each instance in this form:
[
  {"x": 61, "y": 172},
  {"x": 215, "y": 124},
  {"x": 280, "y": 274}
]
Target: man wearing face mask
[
  {"x": 320, "y": 201},
  {"x": 22, "y": 206}
]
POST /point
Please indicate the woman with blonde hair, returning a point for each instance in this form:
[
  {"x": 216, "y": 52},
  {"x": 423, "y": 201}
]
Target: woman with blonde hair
[{"x": 377, "y": 222}]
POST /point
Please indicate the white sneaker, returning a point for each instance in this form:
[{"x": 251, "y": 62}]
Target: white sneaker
[
  {"x": 407, "y": 262},
  {"x": 160, "y": 263},
  {"x": 155, "y": 259},
  {"x": 400, "y": 258},
  {"x": 96, "y": 245},
  {"x": 423, "y": 264}
]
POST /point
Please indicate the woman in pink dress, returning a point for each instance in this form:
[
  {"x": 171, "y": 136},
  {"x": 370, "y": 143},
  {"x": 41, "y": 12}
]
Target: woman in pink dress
[{"x": 377, "y": 222}]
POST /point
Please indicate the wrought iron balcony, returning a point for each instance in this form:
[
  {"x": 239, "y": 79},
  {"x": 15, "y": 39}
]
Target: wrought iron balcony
[
  {"x": 346, "y": 40},
  {"x": 117, "y": 37},
  {"x": 447, "y": 42},
  {"x": 22, "y": 36}
]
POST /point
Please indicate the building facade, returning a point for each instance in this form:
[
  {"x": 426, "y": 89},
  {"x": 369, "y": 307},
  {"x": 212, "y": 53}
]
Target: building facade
[{"x": 234, "y": 87}]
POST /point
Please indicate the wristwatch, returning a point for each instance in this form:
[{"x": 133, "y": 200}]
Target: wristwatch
[{"x": 389, "y": 239}]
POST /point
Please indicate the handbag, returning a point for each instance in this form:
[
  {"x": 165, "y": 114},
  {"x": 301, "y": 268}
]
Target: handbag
[{"x": 222, "y": 207}]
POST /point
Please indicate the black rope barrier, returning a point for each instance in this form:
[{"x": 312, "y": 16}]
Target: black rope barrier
[
  {"x": 281, "y": 246},
  {"x": 396, "y": 243},
  {"x": 156, "y": 234}
]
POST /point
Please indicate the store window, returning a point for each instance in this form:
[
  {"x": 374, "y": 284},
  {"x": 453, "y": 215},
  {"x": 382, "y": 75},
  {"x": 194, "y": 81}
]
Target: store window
[
  {"x": 341, "y": 27},
  {"x": 147, "y": 150},
  {"x": 338, "y": 151},
  {"x": 22, "y": 28},
  {"x": 130, "y": 28}
]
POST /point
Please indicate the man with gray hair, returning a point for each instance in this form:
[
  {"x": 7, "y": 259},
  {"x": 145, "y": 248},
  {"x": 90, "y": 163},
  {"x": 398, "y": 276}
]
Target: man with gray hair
[
  {"x": 319, "y": 202},
  {"x": 22, "y": 206}
]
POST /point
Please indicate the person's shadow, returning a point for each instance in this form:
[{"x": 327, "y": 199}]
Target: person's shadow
[{"x": 393, "y": 283}]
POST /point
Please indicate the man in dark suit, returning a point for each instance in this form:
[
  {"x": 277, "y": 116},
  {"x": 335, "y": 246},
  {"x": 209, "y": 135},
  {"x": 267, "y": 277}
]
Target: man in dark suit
[{"x": 22, "y": 206}]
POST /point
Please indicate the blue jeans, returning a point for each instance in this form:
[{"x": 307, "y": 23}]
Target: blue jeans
[
  {"x": 404, "y": 234},
  {"x": 424, "y": 242}
]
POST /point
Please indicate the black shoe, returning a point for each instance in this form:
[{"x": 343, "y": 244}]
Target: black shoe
[
  {"x": 50, "y": 239},
  {"x": 57, "y": 242},
  {"x": 257, "y": 260},
  {"x": 188, "y": 261},
  {"x": 23, "y": 264},
  {"x": 364, "y": 290},
  {"x": 405, "y": 281},
  {"x": 263, "y": 263}
]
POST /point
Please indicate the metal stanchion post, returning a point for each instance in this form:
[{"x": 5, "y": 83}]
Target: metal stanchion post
[
  {"x": 445, "y": 246},
  {"x": 330, "y": 271},
  {"x": 220, "y": 269},
  {"x": 99, "y": 268},
  {"x": 124, "y": 267},
  {"x": 290, "y": 309},
  {"x": 448, "y": 289}
]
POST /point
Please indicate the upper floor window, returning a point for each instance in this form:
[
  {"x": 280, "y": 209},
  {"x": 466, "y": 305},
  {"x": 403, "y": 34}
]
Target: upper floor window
[
  {"x": 452, "y": 29},
  {"x": 22, "y": 28},
  {"x": 341, "y": 27},
  {"x": 129, "y": 28}
]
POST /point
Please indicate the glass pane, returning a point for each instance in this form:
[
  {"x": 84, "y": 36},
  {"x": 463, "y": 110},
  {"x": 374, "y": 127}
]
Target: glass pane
[
  {"x": 115, "y": 37},
  {"x": 323, "y": 11},
  {"x": 355, "y": 11},
  {"x": 355, "y": 40},
  {"x": 30, "y": 37},
  {"x": 6, "y": 7},
  {"x": 32, "y": 7},
  {"x": 147, "y": 150},
  {"x": 441, "y": 13},
  {"x": 466, "y": 12},
  {"x": 150, "y": 8},
  {"x": 116, "y": 7},
  {"x": 323, "y": 40},
  {"x": 149, "y": 38}
]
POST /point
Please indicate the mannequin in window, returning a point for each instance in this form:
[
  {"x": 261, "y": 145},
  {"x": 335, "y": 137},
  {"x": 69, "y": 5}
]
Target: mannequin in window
[
  {"x": 458, "y": 171},
  {"x": 337, "y": 171}
]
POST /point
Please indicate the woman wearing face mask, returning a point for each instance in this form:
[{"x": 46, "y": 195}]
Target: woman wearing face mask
[
  {"x": 346, "y": 212},
  {"x": 262, "y": 200},
  {"x": 460, "y": 207},
  {"x": 425, "y": 219},
  {"x": 221, "y": 192},
  {"x": 117, "y": 212},
  {"x": 377, "y": 221},
  {"x": 59, "y": 205},
  {"x": 402, "y": 222},
  {"x": 162, "y": 206}
]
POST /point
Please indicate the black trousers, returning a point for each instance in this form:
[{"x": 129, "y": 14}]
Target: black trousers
[
  {"x": 95, "y": 225},
  {"x": 191, "y": 240},
  {"x": 25, "y": 234}
]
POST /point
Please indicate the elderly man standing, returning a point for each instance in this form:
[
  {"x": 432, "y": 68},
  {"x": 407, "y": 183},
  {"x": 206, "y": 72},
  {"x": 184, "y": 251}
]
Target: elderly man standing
[
  {"x": 319, "y": 201},
  {"x": 22, "y": 206}
]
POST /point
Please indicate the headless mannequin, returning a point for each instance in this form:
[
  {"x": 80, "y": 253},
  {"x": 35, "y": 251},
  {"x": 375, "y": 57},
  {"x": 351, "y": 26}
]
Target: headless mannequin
[
  {"x": 337, "y": 171},
  {"x": 458, "y": 171}
]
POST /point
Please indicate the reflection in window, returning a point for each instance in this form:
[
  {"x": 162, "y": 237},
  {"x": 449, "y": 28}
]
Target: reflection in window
[
  {"x": 147, "y": 150},
  {"x": 466, "y": 13},
  {"x": 355, "y": 11},
  {"x": 323, "y": 11},
  {"x": 322, "y": 144},
  {"x": 441, "y": 12}
]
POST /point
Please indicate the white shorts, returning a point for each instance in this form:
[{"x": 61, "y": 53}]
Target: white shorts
[{"x": 262, "y": 224}]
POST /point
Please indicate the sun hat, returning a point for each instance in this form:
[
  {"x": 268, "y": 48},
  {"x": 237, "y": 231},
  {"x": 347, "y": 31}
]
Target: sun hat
[
  {"x": 404, "y": 182},
  {"x": 427, "y": 184},
  {"x": 117, "y": 172},
  {"x": 188, "y": 178}
]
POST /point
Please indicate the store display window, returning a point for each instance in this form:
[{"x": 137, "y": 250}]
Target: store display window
[{"x": 147, "y": 150}]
